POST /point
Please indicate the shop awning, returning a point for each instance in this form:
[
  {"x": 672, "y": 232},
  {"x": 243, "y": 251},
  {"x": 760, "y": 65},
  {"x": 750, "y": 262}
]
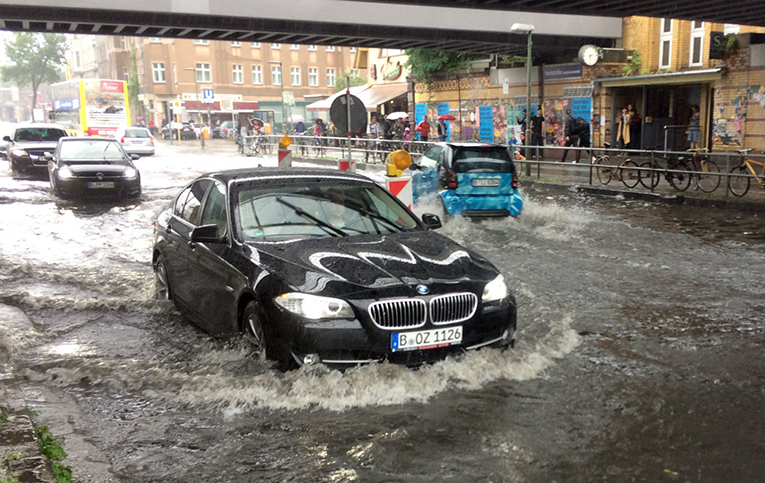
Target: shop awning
[
  {"x": 380, "y": 94},
  {"x": 193, "y": 106},
  {"x": 245, "y": 105},
  {"x": 686, "y": 77}
]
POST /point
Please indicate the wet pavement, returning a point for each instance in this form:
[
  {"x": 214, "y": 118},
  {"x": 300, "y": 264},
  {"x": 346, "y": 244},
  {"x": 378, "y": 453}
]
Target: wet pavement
[{"x": 639, "y": 354}]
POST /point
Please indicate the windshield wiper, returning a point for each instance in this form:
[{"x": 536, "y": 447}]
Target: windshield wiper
[
  {"x": 381, "y": 218},
  {"x": 321, "y": 224}
]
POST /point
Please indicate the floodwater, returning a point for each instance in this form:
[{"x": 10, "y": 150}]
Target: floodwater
[{"x": 639, "y": 353}]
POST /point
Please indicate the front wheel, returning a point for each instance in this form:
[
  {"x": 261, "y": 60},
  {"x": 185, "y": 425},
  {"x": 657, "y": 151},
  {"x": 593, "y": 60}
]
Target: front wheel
[
  {"x": 162, "y": 288},
  {"x": 629, "y": 173},
  {"x": 649, "y": 176},
  {"x": 681, "y": 178},
  {"x": 263, "y": 344},
  {"x": 738, "y": 181},
  {"x": 709, "y": 178},
  {"x": 603, "y": 169}
]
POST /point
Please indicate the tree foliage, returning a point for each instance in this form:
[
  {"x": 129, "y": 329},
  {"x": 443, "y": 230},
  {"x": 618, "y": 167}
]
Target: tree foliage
[
  {"x": 426, "y": 65},
  {"x": 133, "y": 85},
  {"x": 33, "y": 59},
  {"x": 355, "y": 80}
]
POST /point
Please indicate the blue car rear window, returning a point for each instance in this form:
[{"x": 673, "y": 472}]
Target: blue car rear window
[{"x": 483, "y": 160}]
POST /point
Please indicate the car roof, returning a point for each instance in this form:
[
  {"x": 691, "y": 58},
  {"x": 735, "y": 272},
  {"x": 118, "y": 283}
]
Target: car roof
[
  {"x": 39, "y": 125},
  {"x": 290, "y": 174},
  {"x": 474, "y": 145},
  {"x": 70, "y": 139}
]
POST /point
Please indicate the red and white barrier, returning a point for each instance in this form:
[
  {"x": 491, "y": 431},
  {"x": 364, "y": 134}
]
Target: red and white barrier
[
  {"x": 285, "y": 158},
  {"x": 345, "y": 165},
  {"x": 401, "y": 187}
]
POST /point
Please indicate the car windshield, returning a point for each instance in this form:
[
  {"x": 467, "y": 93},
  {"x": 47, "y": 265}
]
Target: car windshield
[
  {"x": 287, "y": 212},
  {"x": 136, "y": 133},
  {"x": 95, "y": 150},
  {"x": 39, "y": 134},
  {"x": 483, "y": 160}
]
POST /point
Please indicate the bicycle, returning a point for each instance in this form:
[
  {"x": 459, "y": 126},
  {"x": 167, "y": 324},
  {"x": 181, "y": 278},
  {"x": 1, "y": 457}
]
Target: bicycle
[
  {"x": 674, "y": 173},
  {"x": 626, "y": 171},
  {"x": 706, "y": 175},
  {"x": 740, "y": 177}
]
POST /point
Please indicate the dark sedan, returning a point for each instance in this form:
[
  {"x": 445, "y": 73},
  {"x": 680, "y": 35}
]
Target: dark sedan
[
  {"x": 170, "y": 131},
  {"x": 27, "y": 145},
  {"x": 324, "y": 266},
  {"x": 92, "y": 167}
]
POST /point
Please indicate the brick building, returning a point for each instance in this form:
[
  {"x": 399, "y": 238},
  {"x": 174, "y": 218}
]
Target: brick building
[{"x": 663, "y": 67}]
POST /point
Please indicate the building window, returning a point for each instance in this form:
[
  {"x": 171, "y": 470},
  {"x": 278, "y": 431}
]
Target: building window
[
  {"x": 238, "y": 74},
  {"x": 697, "y": 44},
  {"x": 295, "y": 76},
  {"x": 158, "y": 72},
  {"x": 123, "y": 43},
  {"x": 665, "y": 43},
  {"x": 329, "y": 48},
  {"x": 235, "y": 43},
  {"x": 276, "y": 46},
  {"x": 313, "y": 77},
  {"x": 201, "y": 42},
  {"x": 276, "y": 75},
  {"x": 155, "y": 40},
  {"x": 204, "y": 74},
  {"x": 330, "y": 77},
  {"x": 731, "y": 28},
  {"x": 77, "y": 58},
  {"x": 352, "y": 50},
  {"x": 312, "y": 48},
  {"x": 254, "y": 45},
  {"x": 294, "y": 47},
  {"x": 126, "y": 74},
  {"x": 257, "y": 75}
]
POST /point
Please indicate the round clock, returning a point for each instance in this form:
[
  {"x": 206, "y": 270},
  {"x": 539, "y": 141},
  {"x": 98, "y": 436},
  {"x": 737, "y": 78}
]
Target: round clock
[{"x": 588, "y": 54}]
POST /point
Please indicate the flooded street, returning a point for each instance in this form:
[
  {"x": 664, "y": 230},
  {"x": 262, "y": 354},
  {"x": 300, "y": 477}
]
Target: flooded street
[{"x": 639, "y": 354}]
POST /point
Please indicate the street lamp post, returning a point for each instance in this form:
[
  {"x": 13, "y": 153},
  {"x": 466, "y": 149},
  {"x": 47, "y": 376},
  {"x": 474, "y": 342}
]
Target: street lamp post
[
  {"x": 281, "y": 75},
  {"x": 199, "y": 109},
  {"x": 526, "y": 28}
]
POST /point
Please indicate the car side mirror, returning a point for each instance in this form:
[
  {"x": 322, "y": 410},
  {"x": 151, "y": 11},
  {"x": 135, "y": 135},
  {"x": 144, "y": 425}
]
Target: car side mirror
[
  {"x": 206, "y": 234},
  {"x": 431, "y": 221},
  {"x": 7, "y": 139},
  {"x": 134, "y": 157}
]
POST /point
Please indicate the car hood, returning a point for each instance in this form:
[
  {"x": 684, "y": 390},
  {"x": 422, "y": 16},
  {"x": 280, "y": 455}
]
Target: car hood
[
  {"x": 35, "y": 145},
  {"x": 85, "y": 168},
  {"x": 356, "y": 263}
]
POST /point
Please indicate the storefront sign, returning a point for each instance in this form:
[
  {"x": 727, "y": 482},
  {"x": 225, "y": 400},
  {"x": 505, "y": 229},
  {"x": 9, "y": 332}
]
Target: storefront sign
[
  {"x": 717, "y": 44},
  {"x": 486, "y": 124},
  {"x": 562, "y": 71}
]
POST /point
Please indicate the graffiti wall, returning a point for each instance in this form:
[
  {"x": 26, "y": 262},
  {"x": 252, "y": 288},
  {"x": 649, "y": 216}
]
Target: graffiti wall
[{"x": 729, "y": 127}]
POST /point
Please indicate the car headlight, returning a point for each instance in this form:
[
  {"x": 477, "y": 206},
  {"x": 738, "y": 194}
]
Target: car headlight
[
  {"x": 130, "y": 173},
  {"x": 495, "y": 290},
  {"x": 314, "y": 306},
  {"x": 65, "y": 172},
  {"x": 19, "y": 153}
]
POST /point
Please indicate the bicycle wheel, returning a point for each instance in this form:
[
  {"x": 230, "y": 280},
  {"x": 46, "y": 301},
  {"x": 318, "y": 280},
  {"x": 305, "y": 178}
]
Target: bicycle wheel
[
  {"x": 680, "y": 180},
  {"x": 604, "y": 169},
  {"x": 738, "y": 181},
  {"x": 649, "y": 178},
  {"x": 630, "y": 175},
  {"x": 709, "y": 179},
  {"x": 252, "y": 148}
]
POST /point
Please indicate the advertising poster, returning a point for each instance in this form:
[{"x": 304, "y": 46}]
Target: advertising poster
[
  {"x": 104, "y": 106},
  {"x": 581, "y": 107},
  {"x": 486, "y": 124},
  {"x": 420, "y": 111}
]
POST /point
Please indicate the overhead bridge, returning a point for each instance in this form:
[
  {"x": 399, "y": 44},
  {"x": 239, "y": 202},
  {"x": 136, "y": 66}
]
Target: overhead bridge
[{"x": 320, "y": 22}]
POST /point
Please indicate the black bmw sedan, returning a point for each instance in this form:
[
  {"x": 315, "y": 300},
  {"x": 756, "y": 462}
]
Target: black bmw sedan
[
  {"x": 92, "y": 167},
  {"x": 315, "y": 266}
]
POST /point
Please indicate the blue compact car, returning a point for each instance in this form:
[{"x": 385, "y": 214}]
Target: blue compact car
[{"x": 474, "y": 179}]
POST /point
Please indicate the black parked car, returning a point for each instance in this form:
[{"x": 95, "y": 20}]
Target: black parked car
[
  {"x": 324, "y": 266},
  {"x": 92, "y": 166},
  {"x": 27, "y": 144},
  {"x": 170, "y": 130}
]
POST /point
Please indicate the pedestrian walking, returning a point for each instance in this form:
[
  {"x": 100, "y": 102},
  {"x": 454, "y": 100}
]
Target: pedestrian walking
[
  {"x": 537, "y": 128},
  {"x": 570, "y": 137},
  {"x": 424, "y": 129}
]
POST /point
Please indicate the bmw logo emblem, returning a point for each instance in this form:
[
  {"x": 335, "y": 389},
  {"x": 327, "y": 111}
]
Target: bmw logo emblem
[{"x": 423, "y": 289}]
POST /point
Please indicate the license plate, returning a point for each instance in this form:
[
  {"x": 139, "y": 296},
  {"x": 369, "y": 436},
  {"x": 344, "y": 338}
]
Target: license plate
[
  {"x": 136, "y": 142},
  {"x": 485, "y": 182},
  {"x": 426, "y": 339},
  {"x": 101, "y": 184}
]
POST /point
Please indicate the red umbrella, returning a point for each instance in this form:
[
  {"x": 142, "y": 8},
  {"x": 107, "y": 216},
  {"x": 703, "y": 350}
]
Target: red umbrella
[{"x": 446, "y": 117}]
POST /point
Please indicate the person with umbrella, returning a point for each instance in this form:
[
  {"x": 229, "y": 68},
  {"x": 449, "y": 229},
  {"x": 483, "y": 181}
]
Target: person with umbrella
[{"x": 443, "y": 130}]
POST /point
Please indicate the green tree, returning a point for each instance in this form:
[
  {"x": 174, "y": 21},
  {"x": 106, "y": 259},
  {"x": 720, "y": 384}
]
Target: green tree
[
  {"x": 133, "y": 86},
  {"x": 33, "y": 59},
  {"x": 355, "y": 79},
  {"x": 426, "y": 65}
]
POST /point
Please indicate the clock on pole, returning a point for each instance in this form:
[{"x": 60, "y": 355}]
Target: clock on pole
[{"x": 589, "y": 54}]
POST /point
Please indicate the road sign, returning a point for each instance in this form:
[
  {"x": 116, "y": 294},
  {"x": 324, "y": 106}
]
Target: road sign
[{"x": 207, "y": 96}]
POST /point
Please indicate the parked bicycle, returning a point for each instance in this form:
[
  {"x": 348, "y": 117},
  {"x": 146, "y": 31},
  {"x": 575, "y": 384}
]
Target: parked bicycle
[
  {"x": 741, "y": 176},
  {"x": 626, "y": 171},
  {"x": 679, "y": 171}
]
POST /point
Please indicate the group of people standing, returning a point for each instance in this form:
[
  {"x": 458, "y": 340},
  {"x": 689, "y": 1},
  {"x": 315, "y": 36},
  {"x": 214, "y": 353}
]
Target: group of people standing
[{"x": 401, "y": 129}]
